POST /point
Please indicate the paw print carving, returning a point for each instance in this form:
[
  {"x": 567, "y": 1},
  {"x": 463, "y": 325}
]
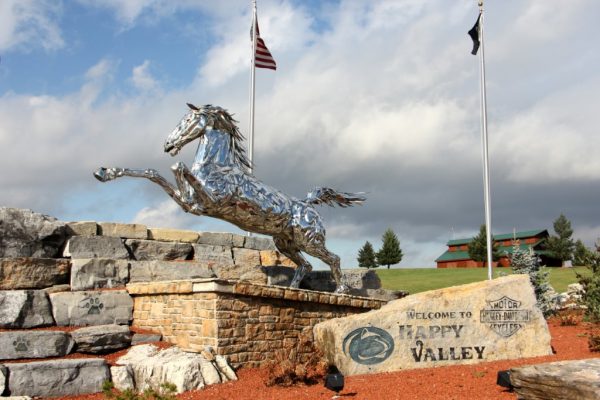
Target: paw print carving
[
  {"x": 21, "y": 344},
  {"x": 93, "y": 304}
]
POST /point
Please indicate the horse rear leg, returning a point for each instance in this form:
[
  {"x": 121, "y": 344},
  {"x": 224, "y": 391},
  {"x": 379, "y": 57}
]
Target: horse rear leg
[
  {"x": 320, "y": 251},
  {"x": 109, "y": 174},
  {"x": 288, "y": 250}
]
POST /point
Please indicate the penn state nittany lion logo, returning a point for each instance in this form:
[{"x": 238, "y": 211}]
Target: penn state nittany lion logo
[{"x": 368, "y": 345}]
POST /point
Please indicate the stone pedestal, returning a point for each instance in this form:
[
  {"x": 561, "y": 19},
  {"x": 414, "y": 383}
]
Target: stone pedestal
[
  {"x": 483, "y": 321},
  {"x": 246, "y": 322}
]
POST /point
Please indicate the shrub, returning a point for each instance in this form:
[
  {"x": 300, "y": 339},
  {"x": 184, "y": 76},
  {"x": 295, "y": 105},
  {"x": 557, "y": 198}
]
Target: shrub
[
  {"x": 302, "y": 364},
  {"x": 166, "y": 391},
  {"x": 526, "y": 262},
  {"x": 591, "y": 285}
]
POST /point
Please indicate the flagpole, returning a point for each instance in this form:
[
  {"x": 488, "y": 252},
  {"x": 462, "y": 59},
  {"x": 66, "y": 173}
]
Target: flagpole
[
  {"x": 252, "y": 88},
  {"x": 484, "y": 143},
  {"x": 252, "y": 92}
]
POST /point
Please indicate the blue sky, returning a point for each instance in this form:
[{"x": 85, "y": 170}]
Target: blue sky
[{"x": 375, "y": 96}]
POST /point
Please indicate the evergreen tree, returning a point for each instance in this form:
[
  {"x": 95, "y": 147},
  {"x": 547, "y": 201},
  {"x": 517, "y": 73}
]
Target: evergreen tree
[
  {"x": 366, "y": 256},
  {"x": 478, "y": 247},
  {"x": 390, "y": 253},
  {"x": 581, "y": 255},
  {"x": 526, "y": 262},
  {"x": 561, "y": 244}
]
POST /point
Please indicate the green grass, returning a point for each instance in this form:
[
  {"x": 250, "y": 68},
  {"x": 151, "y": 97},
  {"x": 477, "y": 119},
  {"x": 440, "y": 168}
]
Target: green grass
[{"x": 415, "y": 280}]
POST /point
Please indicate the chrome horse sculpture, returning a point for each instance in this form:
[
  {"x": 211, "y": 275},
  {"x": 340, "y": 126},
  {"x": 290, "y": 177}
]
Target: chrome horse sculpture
[{"x": 220, "y": 185}]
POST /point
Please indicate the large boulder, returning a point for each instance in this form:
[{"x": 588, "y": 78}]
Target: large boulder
[
  {"x": 92, "y": 308},
  {"x": 32, "y": 273},
  {"x": 102, "y": 338},
  {"x": 24, "y": 309},
  {"x": 24, "y": 233},
  {"x": 578, "y": 379},
  {"x": 57, "y": 377},
  {"x": 188, "y": 371},
  {"x": 478, "y": 322},
  {"x": 34, "y": 344},
  {"x": 97, "y": 273}
]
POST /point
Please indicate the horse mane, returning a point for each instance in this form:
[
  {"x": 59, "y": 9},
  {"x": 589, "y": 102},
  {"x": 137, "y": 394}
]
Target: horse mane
[{"x": 220, "y": 119}]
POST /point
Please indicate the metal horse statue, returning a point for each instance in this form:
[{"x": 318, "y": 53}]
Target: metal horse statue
[{"x": 220, "y": 185}]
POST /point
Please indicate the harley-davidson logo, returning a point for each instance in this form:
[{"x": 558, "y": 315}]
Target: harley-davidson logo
[{"x": 504, "y": 316}]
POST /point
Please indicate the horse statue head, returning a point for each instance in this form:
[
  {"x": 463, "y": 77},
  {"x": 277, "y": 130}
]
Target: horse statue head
[{"x": 200, "y": 120}]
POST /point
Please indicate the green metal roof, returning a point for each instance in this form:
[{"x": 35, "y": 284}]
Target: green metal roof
[
  {"x": 454, "y": 256},
  {"x": 503, "y": 250},
  {"x": 504, "y": 236}
]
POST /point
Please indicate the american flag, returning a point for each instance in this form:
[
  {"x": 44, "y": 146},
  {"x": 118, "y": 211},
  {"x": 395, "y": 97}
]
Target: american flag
[{"x": 263, "y": 58}]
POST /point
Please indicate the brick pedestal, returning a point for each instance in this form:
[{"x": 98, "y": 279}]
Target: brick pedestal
[{"x": 246, "y": 322}]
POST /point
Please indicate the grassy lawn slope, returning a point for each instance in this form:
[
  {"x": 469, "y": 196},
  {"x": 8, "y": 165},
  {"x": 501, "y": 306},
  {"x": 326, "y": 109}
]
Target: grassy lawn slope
[{"x": 416, "y": 280}]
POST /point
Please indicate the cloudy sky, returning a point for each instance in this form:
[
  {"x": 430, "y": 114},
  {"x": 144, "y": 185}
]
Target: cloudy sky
[{"x": 375, "y": 96}]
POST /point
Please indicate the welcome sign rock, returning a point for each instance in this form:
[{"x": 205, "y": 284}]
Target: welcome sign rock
[{"x": 468, "y": 324}]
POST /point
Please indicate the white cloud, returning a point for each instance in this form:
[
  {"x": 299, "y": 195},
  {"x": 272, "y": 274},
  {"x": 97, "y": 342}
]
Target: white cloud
[
  {"x": 374, "y": 96},
  {"x": 27, "y": 24},
  {"x": 142, "y": 78}
]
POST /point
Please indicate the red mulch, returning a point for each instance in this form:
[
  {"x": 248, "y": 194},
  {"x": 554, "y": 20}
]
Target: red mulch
[{"x": 457, "y": 382}]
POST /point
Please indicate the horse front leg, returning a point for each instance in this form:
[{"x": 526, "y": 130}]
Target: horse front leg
[
  {"x": 109, "y": 174},
  {"x": 191, "y": 188}
]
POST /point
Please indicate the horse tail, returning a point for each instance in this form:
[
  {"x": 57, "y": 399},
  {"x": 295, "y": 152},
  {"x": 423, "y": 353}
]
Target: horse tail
[{"x": 332, "y": 198}]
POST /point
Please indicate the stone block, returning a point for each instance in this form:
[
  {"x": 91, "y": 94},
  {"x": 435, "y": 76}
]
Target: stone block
[
  {"x": 24, "y": 233},
  {"x": 82, "y": 228},
  {"x": 24, "y": 309},
  {"x": 3, "y": 378},
  {"x": 32, "y": 273},
  {"x": 279, "y": 276},
  {"x": 16, "y": 345},
  {"x": 101, "y": 338},
  {"x": 246, "y": 257},
  {"x": 151, "y": 250},
  {"x": 125, "y": 231},
  {"x": 173, "y": 235},
  {"x": 248, "y": 273},
  {"x": 152, "y": 271},
  {"x": 96, "y": 247},
  {"x": 359, "y": 280},
  {"x": 122, "y": 377},
  {"x": 57, "y": 377},
  {"x": 270, "y": 258},
  {"x": 577, "y": 379},
  {"x": 58, "y": 288},
  {"x": 238, "y": 240},
  {"x": 213, "y": 254},
  {"x": 145, "y": 338},
  {"x": 479, "y": 322},
  {"x": 96, "y": 273},
  {"x": 259, "y": 243},
  {"x": 92, "y": 308},
  {"x": 216, "y": 239}
]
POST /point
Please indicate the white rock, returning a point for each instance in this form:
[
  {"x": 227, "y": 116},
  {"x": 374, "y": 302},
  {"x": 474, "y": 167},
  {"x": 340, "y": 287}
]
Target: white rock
[{"x": 122, "y": 377}]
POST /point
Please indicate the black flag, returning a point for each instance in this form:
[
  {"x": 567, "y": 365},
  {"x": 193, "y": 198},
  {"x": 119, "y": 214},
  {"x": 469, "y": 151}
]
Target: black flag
[{"x": 474, "y": 33}]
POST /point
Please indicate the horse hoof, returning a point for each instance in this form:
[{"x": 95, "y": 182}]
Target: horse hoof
[
  {"x": 342, "y": 289},
  {"x": 101, "y": 174}
]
